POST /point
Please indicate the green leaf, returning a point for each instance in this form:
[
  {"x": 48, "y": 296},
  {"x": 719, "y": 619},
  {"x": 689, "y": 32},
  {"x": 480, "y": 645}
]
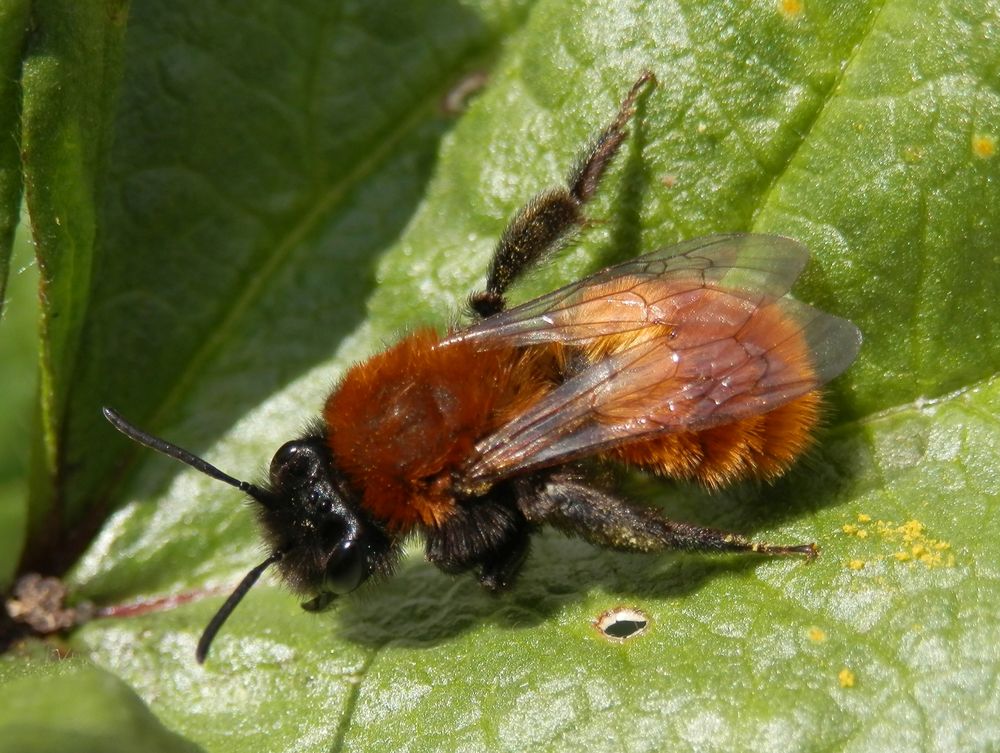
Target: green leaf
[
  {"x": 13, "y": 25},
  {"x": 18, "y": 364},
  {"x": 78, "y": 707},
  {"x": 281, "y": 196},
  {"x": 69, "y": 79},
  {"x": 235, "y": 184}
]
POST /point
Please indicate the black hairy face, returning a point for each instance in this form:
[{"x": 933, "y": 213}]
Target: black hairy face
[{"x": 311, "y": 516}]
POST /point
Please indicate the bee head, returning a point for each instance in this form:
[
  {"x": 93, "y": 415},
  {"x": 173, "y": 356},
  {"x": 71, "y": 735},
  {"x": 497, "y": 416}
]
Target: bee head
[
  {"x": 321, "y": 542},
  {"x": 310, "y": 514}
]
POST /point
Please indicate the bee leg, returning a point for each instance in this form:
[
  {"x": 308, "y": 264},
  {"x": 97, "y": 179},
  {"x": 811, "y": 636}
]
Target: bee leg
[
  {"x": 538, "y": 227},
  {"x": 499, "y": 567},
  {"x": 602, "y": 519},
  {"x": 488, "y": 534}
]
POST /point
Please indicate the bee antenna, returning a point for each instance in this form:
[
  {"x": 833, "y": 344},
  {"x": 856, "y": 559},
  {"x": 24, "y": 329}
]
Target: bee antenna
[
  {"x": 161, "y": 445},
  {"x": 216, "y": 623}
]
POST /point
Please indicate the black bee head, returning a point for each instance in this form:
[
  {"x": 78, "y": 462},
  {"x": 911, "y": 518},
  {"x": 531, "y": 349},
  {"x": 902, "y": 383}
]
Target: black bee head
[
  {"x": 311, "y": 515},
  {"x": 322, "y": 543}
]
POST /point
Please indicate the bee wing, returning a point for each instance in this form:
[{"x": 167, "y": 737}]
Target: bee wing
[
  {"x": 755, "y": 267},
  {"x": 712, "y": 340}
]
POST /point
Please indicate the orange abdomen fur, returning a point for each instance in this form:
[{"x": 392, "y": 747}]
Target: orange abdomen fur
[
  {"x": 762, "y": 446},
  {"x": 749, "y": 445}
]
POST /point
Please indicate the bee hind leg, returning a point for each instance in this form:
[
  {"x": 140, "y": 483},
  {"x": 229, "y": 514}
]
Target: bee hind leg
[
  {"x": 540, "y": 225},
  {"x": 607, "y": 521}
]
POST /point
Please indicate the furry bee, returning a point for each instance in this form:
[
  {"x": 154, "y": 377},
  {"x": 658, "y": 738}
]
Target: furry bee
[{"x": 691, "y": 362}]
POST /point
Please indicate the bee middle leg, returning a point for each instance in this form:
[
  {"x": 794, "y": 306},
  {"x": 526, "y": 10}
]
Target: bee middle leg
[
  {"x": 539, "y": 226},
  {"x": 607, "y": 521}
]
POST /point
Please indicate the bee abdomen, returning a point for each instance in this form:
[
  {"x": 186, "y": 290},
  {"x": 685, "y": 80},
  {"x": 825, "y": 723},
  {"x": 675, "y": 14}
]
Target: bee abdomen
[{"x": 762, "y": 446}]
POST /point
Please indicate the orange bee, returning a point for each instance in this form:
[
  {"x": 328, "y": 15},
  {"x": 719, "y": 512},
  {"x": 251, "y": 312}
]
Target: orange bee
[{"x": 691, "y": 362}]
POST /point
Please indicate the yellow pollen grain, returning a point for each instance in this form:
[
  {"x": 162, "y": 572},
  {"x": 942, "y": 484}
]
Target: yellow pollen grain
[
  {"x": 984, "y": 146},
  {"x": 911, "y": 530},
  {"x": 791, "y": 8},
  {"x": 846, "y": 678},
  {"x": 817, "y": 635},
  {"x": 915, "y": 546}
]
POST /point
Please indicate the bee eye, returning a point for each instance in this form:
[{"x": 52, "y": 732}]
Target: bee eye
[
  {"x": 294, "y": 460},
  {"x": 346, "y": 568}
]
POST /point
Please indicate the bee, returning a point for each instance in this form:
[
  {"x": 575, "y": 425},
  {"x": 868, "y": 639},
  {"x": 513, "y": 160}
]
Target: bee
[{"x": 690, "y": 362}]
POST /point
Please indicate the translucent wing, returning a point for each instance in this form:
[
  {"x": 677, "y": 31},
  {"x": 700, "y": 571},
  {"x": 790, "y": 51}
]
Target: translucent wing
[
  {"x": 753, "y": 267},
  {"x": 678, "y": 340}
]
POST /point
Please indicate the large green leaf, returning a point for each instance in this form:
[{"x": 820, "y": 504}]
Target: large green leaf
[{"x": 282, "y": 196}]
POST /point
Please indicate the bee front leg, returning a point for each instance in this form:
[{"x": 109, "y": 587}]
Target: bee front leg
[
  {"x": 488, "y": 534},
  {"x": 604, "y": 520},
  {"x": 540, "y": 225},
  {"x": 500, "y": 567}
]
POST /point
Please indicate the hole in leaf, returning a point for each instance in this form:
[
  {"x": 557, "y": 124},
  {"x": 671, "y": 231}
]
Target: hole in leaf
[{"x": 621, "y": 624}]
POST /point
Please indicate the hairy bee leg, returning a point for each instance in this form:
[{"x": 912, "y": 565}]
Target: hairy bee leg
[
  {"x": 587, "y": 176},
  {"x": 543, "y": 222},
  {"x": 500, "y": 567},
  {"x": 607, "y": 521},
  {"x": 490, "y": 535}
]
